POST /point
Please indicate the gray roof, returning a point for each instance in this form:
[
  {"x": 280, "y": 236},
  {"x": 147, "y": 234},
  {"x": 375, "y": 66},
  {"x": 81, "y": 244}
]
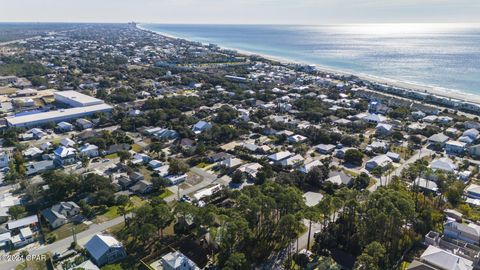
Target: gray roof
[
  {"x": 26, "y": 221},
  {"x": 445, "y": 260},
  {"x": 339, "y": 178},
  {"x": 439, "y": 138},
  {"x": 100, "y": 244}
]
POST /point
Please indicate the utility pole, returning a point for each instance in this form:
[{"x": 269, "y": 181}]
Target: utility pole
[{"x": 74, "y": 235}]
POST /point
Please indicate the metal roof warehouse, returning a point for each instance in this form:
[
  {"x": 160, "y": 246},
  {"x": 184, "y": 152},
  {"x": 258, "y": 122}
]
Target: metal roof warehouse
[{"x": 56, "y": 116}]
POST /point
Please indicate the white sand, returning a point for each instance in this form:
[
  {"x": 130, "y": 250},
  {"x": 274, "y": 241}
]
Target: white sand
[{"x": 438, "y": 91}]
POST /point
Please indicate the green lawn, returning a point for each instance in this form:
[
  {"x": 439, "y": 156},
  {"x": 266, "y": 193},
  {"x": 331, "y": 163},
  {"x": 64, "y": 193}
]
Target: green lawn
[
  {"x": 165, "y": 194},
  {"x": 32, "y": 265},
  {"x": 146, "y": 173},
  {"x": 137, "y": 148},
  {"x": 112, "y": 156},
  {"x": 66, "y": 230},
  {"x": 203, "y": 165},
  {"x": 112, "y": 212}
]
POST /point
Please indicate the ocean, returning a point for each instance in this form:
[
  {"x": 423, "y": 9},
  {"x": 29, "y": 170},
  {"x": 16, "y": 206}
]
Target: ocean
[{"x": 443, "y": 56}]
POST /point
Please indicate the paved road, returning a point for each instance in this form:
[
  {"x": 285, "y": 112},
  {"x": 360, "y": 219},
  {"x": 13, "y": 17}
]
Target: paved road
[{"x": 62, "y": 245}]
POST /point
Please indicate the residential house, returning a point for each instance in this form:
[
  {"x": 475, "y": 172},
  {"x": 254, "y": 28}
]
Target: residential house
[
  {"x": 473, "y": 191},
  {"x": 383, "y": 129},
  {"x": 339, "y": 178},
  {"x": 374, "y": 118},
  {"x": 67, "y": 142},
  {"x": 469, "y": 233},
  {"x": 32, "y": 152},
  {"x": 24, "y": 238},
  {"x": 438, "y": 139},
  {"x": 381, "y": 161},
  {"x": 377, "y": 147},
  {"x": 466, "y": 139},
  {"x": 230, "y": 162},
  {"x": 219, "y": 157},
  {"x": 187, "y": 143},
  {"x": 296, "y": 138},
  {"x": 280, "y": 156},
  {"x": 45, "y": 146},
  {"x": 142, "y": 187},
  {"x": 434, "y": 258},
  {"x": 443, "y": 164},
  {"x": 105, "y": 249},
  {"x": 64, "y": 156},
  {"x": 140, "y": 158},
  {"x": 474, "y": 150},
  {"x": 83, "y": 123},
  {"x": 177, "y": 261},
  {"x": 35, "y": 167},
  {"x": 89, "y": 150},
  {"x": 117, "y": 147},
  {"x": 250, "y": 169},
  {"x": 64, "y": 127},
  {"x": 60, "y": 213},
  {"x": 426, "y": 185},
  {"x": 26, "y": 222},
  {"x": 308, "y": 166},
  {"x": 393, "y": 156},
  {"x": 340, "y": 153},
  {"x": 36, "y": 133},
  {"x": 472, "y": 133},
  {"x": 4, "y": 160},
  {"x": 455, "y": 147},
  {"x": 176, "y": 179},
  {"x": 201, "y": 126},
  {"x": 325, "y": 149},
  {"x": 292, "y": 160},
  {"x": 153, "y": 164}
]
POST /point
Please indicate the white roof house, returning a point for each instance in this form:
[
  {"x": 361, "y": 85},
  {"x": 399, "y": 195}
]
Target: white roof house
[
  {"x": 230, "y": 162},
  {"x": 292, "y": 161},
  {"x": 32, "y": 151},
  {"x": 473, "y": 191},
  {"x": 443, "y": 164},
  {"x": 378, "y": 161},
  {"x": 64, "y": 151},
  {"x": 279, "y": 156},
  {"x": 325, "y": 148},
  {"x": 24, "y": 222},
  {"x": 178, "y": 261},
  {"x": 374, "y": 118},
  {"x": 250, "y": 168},
  {"x": 307, "y": 167},
  {"x": 67, "y": 142},
  {"x": 312, "y": 198},
  {"x": 296, "y": 138},
  {"x": 89, "y": 149},
  {"x": 445, "y": 260},
  {"x": 426, "y": 184},
  {"x": 65, "y": 126}
]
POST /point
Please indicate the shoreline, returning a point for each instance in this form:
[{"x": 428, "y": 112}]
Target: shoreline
[{"x": 418, "y": 87}]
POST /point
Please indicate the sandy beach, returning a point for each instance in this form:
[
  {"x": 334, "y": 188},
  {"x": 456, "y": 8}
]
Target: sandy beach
[{"x": 438, "y": 91}]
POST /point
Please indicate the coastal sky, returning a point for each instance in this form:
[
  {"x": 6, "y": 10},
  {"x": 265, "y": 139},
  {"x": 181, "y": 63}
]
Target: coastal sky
[{"x": 242, "y": 11}]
